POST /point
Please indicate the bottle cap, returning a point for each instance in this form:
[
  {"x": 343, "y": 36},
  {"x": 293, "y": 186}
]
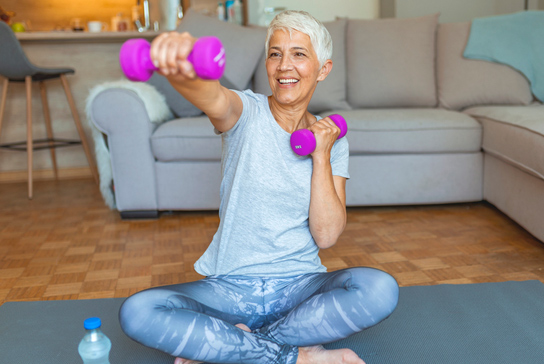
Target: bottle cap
[{"x": 92, "y": 323}]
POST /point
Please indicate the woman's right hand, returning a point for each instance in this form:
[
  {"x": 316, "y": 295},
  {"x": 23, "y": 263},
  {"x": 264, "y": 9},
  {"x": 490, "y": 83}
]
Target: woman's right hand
[{"x": 169, "y": 52}]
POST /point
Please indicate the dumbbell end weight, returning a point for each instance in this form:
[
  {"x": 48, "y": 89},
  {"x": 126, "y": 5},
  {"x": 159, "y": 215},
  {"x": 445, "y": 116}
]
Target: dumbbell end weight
[
  {"x": 208, "y": 58},
  {"x": 340, "y": 123},
  {"x": 135, "y": 60},
  {"x": 303, "y": 140}
]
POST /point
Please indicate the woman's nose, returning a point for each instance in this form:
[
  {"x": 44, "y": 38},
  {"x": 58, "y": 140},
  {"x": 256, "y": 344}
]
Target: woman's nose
[{"x": 285, "y": 64}]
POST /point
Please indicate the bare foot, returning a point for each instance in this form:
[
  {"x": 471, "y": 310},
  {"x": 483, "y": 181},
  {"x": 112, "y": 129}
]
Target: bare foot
[
  {"x": 243, "y": 327},
  {"x": 187, "y": 361},
  {"x": 318, "y": 354}
]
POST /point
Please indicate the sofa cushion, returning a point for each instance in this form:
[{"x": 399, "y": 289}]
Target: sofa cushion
[
  {"x": 187, "y": 139},
  {"x": 411, "y": 131},
  {"x": 243, "y": 46},
  {"x": 414, "y": 179},
  {"x": 514, "y": 134},
  {"x": 390, "y": 62},
  {"x": 330, "y": 93},
  {"x": 375, "y": 131},
  {"x": 464, "y": 82}
]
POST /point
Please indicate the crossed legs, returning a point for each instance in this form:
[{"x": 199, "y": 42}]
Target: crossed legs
[{"x": 197, "y": 320}]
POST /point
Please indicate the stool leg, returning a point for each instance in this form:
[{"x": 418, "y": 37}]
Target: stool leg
[
  {"x": 3, "y": 101},
  {"x": 29, "y": 146},
  {"x": 79, "y": 127},
  {"x": 48, "y": 128}
]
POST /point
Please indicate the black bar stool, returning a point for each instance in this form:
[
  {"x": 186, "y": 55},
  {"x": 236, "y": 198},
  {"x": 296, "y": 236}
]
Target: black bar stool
[{"x": 15, "y": 67}]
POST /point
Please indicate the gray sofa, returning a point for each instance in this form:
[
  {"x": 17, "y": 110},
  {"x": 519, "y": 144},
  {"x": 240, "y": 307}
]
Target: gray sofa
[{"x": 426, "y": 126}]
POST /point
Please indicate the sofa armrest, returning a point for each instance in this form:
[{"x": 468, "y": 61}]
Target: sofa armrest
[{"x": 121, "y": 115}]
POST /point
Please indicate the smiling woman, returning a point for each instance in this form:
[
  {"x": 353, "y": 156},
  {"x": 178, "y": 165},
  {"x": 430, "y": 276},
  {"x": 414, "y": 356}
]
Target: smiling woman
[
  {"x": 294, "y": 69},
  {"x": 266, "y": 296}
]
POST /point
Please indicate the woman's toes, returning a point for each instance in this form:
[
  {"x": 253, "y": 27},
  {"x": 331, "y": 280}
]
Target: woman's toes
[
  {"x": 185, "y": 361},
  {"x": 243, "y": 327}
]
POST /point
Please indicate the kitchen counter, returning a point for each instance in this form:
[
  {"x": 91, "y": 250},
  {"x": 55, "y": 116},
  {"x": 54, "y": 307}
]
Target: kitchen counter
[{"x": 67, "y": 36}]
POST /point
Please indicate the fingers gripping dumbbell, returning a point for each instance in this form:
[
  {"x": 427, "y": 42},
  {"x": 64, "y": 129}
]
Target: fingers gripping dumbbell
[
  {"x": 207, "y": 58},
  {"x": 303, "y": 140}
]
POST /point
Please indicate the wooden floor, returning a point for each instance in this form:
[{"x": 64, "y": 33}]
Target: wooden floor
[{"x": 66, "y": 244}]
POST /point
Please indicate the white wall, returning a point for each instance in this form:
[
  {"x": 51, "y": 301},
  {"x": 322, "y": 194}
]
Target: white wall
[
  {"x": 324, "y": 10},
  {"x": 460, "y": 10}
]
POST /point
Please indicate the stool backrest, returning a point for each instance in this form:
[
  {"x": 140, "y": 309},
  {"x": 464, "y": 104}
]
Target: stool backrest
[{"x": 14, "y": 64}]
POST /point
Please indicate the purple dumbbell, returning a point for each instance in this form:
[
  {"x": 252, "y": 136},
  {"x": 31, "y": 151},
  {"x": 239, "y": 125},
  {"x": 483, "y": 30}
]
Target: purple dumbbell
[
  {"x": 207, "y": 57},
  {"x": 303, "y": 140}
]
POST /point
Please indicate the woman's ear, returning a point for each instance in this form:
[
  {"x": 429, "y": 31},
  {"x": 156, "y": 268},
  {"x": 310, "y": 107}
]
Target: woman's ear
[{"x": 325, "y": 70}]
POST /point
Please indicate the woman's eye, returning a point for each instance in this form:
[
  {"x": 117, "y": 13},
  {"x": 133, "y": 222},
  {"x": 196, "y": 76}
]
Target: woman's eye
[
  {"x": 300, "y": 54},
  {"x": 272, "y": 55}
]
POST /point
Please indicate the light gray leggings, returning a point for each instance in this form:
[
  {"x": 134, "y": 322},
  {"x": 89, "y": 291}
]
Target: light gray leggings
[{"x": 196, "y": 320}]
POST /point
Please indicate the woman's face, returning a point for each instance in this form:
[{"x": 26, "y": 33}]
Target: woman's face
[{"x": 293, "y": 68}]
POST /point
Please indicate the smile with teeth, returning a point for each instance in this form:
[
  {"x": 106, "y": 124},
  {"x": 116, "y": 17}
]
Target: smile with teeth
[{"x": 287, "y": 81}]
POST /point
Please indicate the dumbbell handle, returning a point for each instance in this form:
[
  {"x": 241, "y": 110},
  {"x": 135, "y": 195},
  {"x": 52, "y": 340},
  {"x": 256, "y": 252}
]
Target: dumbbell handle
[
  {"x": 303, "y": 140},
  {"x": 207, "y": 58}
]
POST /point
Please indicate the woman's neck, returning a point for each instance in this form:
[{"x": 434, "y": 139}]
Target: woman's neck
[{"x": 290, "y": 118}]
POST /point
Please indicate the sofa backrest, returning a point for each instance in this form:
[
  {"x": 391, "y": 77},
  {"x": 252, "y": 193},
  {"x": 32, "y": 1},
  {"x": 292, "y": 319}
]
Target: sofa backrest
[
  {"x": 243, "y": 46},
  {"x": 465, "y": 82},
  {"x": 390, "y": 62}
]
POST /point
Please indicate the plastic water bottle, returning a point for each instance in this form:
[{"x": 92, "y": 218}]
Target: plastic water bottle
[
  {"x": 229, "y": 7},
  {"x": 238, "y": 12},
  {"x": 95, "y": 347},
  {"x": 220, "y": 11}
]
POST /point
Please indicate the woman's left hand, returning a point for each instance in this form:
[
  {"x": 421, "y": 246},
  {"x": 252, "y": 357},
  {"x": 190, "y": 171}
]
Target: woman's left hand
[{"x": 326, "y": 133}]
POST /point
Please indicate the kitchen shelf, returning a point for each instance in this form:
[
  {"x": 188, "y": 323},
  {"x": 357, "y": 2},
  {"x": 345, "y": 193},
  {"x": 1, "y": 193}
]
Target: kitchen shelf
[{"x": 82, "y": 36}]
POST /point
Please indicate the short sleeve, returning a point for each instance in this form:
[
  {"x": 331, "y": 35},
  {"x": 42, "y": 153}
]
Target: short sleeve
[
  {"x": 250, "y": 105},
  {"x": 340, "y": 158}
]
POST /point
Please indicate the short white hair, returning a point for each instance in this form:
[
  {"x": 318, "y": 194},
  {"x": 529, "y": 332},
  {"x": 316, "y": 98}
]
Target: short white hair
[{"x": 303, "y": 22}]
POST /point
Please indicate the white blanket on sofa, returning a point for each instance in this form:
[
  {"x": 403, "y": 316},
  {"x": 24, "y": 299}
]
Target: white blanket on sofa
[{"x": 157, "y": 110}]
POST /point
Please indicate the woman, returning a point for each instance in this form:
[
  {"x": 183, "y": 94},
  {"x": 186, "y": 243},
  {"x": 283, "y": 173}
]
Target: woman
[{"x": 266, "y": 297}]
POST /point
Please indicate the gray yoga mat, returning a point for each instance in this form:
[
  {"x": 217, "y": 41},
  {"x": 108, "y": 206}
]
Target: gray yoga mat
[{"x": 477, "y": 323}]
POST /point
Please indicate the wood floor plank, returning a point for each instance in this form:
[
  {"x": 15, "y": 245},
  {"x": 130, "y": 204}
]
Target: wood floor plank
[{"x": 66, "y": 244}]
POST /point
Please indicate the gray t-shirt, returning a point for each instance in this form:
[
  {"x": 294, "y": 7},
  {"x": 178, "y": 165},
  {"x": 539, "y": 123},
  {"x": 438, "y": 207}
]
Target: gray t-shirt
[{"x": 265, "y": 200}]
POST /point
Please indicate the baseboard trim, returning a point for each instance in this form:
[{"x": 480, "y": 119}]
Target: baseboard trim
[{"x": 45, "y": 175}]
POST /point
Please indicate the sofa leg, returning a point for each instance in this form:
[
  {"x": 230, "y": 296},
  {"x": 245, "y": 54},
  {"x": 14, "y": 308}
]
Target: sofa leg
[{"x": 142, "y": 214}]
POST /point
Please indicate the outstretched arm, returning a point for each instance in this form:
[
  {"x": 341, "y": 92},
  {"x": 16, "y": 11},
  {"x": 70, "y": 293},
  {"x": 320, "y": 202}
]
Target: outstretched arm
[{"x": 169, "y": 52}]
